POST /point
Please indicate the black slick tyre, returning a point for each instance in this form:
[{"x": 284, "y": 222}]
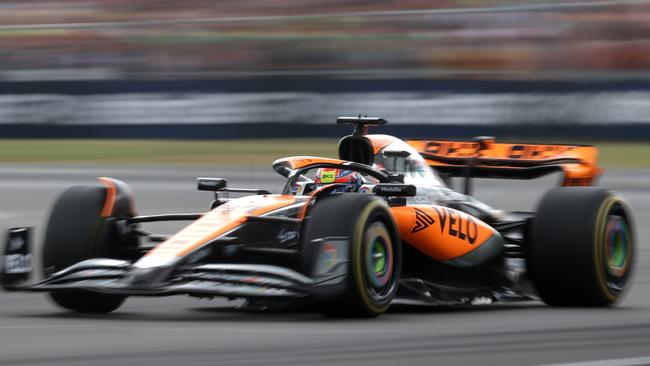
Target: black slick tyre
[
  {"x": 374, "y": 252},
  {"x": 76, "y": 232},
  {"x": 582, "y": 247}
]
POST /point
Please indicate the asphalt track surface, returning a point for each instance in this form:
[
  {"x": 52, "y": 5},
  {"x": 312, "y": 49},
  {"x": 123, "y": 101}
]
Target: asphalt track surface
[{"x": 182, "y": 330}]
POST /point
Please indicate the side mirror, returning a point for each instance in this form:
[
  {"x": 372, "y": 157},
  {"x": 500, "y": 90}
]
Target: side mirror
[{"x": 211, "y": 184}]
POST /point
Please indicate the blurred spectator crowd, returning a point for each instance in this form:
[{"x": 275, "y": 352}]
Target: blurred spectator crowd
[{"x": 351, "y": 38}]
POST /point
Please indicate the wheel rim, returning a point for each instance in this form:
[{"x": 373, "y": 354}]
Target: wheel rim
[
  {"x": 617, "y": 247},
  {"x": 379, "y": 260},
  {"x": 379, "y": 256}
]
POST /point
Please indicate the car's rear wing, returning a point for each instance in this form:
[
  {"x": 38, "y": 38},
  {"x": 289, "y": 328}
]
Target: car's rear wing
[{"x": 483, "y": 157}]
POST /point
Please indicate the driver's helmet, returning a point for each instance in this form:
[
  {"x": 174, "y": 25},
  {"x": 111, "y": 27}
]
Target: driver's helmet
[{"x": 351, "y": 179}]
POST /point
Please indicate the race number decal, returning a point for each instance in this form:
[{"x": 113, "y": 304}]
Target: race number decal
[
  {"x": 17, "y": 259},
  {"x": 17, "y": 263}
]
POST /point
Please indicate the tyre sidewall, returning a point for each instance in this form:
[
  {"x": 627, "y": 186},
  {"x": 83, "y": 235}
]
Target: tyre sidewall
[{"x": 373, "y": 212}]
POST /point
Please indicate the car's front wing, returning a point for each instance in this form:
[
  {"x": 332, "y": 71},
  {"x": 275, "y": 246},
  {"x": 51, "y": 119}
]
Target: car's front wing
[{"x": 229, "y": 280}]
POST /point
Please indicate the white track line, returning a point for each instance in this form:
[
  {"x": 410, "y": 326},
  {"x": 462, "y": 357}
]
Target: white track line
[{"x": 638, "y": 361}]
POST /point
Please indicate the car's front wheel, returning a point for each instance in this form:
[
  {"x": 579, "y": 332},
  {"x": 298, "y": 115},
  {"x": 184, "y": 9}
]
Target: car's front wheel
[
  {"x": 374, "y": 251},
  {"x": 78, "y": 229}
]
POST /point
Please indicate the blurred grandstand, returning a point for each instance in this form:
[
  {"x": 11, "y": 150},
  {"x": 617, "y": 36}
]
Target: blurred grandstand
[
  {"x": 54, "y": 39},
  {"x": 445, "y": 63}
]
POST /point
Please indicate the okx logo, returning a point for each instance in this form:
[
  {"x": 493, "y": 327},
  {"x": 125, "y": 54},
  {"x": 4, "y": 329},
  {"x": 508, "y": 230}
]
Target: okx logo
[{"x": 422, "y": 221}]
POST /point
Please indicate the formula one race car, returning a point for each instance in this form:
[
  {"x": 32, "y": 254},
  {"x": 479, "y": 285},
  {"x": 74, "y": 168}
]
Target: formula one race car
[{"x": 349, "y": 236}]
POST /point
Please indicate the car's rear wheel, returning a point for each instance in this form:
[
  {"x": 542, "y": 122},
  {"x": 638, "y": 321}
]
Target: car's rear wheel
[
  {"x": 582, "y": 247},
  {"x": 374, "y": 251},
  {"x": 76, "y": 231}
]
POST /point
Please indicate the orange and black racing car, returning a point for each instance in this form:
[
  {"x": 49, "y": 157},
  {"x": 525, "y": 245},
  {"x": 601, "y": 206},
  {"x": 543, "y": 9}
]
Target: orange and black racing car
[{"x": 348, "y": 236}]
